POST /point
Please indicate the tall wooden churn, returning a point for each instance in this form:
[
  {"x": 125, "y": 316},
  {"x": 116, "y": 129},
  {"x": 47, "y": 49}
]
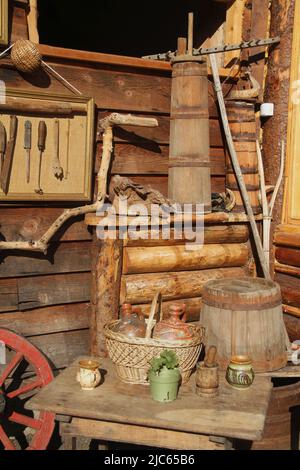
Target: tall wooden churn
[{"x": 189, "y": 165}]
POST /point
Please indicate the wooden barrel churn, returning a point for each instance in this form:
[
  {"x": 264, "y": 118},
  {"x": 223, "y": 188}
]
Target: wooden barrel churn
[
  {"x": 242, "y": 124},
  {"x": 244, "y": 317},
  {"x": 189, "y": 164},
  {"x": 281, "y": 430}
]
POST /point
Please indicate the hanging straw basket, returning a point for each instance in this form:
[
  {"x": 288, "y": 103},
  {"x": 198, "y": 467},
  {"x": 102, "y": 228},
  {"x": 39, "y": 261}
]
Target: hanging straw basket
[
  {"x": 131, "y": 356},
  {"x": 25, "y": 56}
]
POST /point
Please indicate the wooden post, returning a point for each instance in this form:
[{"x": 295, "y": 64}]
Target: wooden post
[
  {"x": 189, "y": 169},
  {"x": 32, "y": 20},
  {"x": 106, "y": 279}
]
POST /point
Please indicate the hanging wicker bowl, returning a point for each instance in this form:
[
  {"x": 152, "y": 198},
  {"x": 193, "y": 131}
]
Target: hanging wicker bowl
[{"x": 25, "y": 56}]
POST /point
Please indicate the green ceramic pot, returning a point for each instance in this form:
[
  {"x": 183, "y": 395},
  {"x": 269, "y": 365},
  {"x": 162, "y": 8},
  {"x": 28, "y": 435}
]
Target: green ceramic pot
[
  {"x": 164, "y": 386},
  {"x": 239, "y": 372}
]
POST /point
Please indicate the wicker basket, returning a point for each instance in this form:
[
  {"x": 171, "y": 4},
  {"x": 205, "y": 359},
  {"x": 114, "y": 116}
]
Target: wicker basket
[
  {"x": 131, "y": 356},
  {"x": 25, "y": 56}
]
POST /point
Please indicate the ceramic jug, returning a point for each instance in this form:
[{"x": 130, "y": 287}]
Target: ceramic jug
[
  {"x": 132, "y": 323},
  {"x": 174, "y": 327},
  {"x": 88, "y": 375}
]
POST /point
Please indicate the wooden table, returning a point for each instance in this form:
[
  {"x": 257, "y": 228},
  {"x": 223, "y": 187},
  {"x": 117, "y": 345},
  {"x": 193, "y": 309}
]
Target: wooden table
[{"x": 125, "y": 413}]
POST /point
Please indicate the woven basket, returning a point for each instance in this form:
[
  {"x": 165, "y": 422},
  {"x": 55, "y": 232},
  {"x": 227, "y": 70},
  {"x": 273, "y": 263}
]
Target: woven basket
[{"x": 131, "y": 356}]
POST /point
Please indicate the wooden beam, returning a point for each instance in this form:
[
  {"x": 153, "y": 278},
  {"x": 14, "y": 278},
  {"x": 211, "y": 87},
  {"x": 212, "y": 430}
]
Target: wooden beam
[
  {"x": 141, "y": 288},
  {"x": 212, "y": 234},
  {"x": 47, "y": 320},
  {"x": 287, "y": 235},
  {"x": 179, "y": 258},
  {"x": 54, "y": 53},
  {"x": 214, "y": 218},
  {"x": 30, "y": 223},
  {"x": 146, "y": 436},
  {"x": 286, "y": 269},
  {"x": 259, "y": 29},
  {"x": 233, "y": 29},
  {"x": 68, "y": 257},
  {"x": 62, "y": 348},
  {"x": 288, "y": 256},
  {"x": 36, "y": 292},
  {"x": 8, "y": 295}
]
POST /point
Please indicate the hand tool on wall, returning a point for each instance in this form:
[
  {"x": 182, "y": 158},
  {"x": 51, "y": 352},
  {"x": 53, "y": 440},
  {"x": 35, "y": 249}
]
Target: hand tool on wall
[
  {"x": 66, "y": 174},
  {"x": 56, "y": 166},
  {"x": 42, "y": 132},
  {"x": 27, "y": 147},
  {"x": 2, "y": 144},
  {"x": 218, "y": 49},
  {"x": 10, "y": 148}
]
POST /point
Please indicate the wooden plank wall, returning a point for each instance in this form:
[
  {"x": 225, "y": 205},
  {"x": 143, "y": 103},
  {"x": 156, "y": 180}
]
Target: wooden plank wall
[{"x": 47, "y": 298}]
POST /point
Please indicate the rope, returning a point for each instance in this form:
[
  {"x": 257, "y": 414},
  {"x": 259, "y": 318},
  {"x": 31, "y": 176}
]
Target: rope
[
  {"x": 6, "y": 51},
  {"x": 64, "y": 80}
]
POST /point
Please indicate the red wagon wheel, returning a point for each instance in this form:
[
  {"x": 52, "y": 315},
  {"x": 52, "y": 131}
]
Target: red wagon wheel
[{"x": 25, "y": 372}]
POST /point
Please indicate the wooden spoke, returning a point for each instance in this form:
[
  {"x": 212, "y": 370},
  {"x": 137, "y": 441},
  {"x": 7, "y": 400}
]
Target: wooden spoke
[
  {"x": 25, "y": 388},
  {"x": 10, "y": 367},
  {"x": 8, "y": 445},
  {"x": 25, "y": 420}
]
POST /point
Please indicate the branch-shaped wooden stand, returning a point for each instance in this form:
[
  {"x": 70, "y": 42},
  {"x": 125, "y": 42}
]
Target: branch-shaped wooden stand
[{"x": 107, "y": 125}]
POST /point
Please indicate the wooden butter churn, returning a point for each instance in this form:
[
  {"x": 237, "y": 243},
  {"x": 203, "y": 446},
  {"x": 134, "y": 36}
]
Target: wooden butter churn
[{"x": 189, "y": 166}]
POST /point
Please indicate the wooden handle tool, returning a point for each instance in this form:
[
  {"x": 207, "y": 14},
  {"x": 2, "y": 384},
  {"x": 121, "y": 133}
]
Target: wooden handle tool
[
  {"x": 7, "y": 165},
  {"x": 56, "y": 166},
  {"x": 2, "y": 144},
  {"x": 27, "y": 147},
  {"x": 66, "y": 173},
  {"x": 42, "y": 133},
  {"x": 210, "y": 358}
]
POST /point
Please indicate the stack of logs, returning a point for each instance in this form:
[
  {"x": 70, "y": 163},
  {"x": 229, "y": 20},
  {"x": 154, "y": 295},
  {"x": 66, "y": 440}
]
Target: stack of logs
[
  {"x": 180, "y": 273},
  {"x": 132, "y": 271}
]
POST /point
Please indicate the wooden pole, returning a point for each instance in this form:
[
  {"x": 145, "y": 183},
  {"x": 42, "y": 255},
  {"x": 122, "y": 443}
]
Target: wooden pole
[
  {"x": 190, "y": 33},
  {"x": 32, "y": 21},
  {"x": 265, "y": 206},
  {"x": 237, "y": 168}
]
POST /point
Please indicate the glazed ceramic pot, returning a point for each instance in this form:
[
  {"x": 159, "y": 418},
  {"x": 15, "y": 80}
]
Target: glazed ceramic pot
[
  {"x": 239, "y": 372},
  {"x": 164, "y": 386}
]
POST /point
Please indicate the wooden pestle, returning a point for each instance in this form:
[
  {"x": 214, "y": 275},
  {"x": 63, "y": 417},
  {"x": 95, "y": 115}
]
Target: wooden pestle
[{"x": 210, "y": 357}]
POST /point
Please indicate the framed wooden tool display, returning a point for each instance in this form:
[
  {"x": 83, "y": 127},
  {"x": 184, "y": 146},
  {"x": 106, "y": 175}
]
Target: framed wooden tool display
[
  {"x": 46, "y": 147},
  {"x": 3, "y": 22}
]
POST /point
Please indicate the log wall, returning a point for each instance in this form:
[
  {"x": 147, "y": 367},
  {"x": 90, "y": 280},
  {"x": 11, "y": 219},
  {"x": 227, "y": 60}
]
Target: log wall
[
  {"x": 178, "y": 273},
  {"x": 286, "y": 248}
]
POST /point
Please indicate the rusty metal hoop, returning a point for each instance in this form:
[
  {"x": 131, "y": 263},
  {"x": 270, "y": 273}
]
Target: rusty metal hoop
[{"x": 22, "y": 353}]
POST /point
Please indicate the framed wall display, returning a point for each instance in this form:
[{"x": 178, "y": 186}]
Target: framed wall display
[
  {"x": 3, "y": 22},
  {"x": 48, "y": 154}
]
